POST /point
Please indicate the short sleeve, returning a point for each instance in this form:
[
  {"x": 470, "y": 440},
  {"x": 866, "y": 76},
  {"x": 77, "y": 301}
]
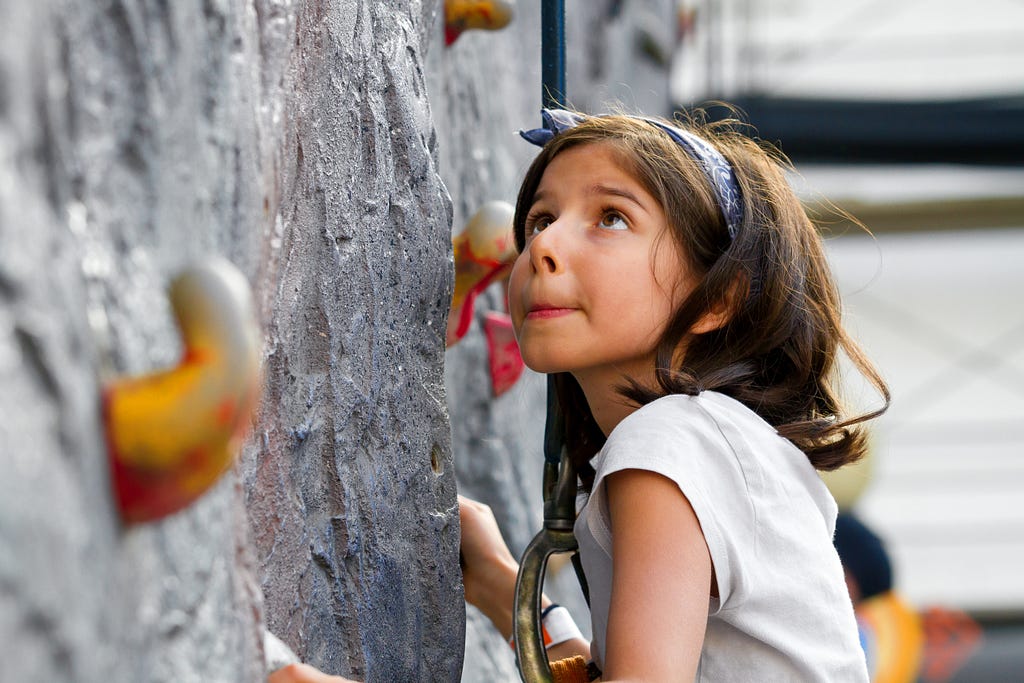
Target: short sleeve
[{"x": 678, "y": 438}]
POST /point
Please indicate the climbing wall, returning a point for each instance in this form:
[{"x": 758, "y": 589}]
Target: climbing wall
[
  {"x": 120, "y": 162},
  {"x": 495, "y": 440},
  {"x": 306, "y": 143},
  {"x": 295, "y": 140}
]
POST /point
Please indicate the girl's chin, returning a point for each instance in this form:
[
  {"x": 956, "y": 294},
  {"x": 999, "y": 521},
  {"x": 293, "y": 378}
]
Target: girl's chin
[
  {"x": 542, "y": 368},
  {"x": 542, "y": 363}
]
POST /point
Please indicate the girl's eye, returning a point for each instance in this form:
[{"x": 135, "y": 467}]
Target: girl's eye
[
  {"x": 535, "y": 225},
  {"x": 613, "y": 220}
]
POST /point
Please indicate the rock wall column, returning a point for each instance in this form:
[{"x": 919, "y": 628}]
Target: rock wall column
[
  {"x": 129, "y": 147},
  {"x": 294, "y": 139},
  {"x": 351, "y": 489}
]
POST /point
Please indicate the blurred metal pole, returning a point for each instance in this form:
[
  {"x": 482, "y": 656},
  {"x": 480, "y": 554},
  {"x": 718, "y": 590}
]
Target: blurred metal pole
[{"x": 552, "y": 53}]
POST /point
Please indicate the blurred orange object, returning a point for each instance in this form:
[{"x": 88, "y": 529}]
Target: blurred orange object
[
  {"x": 460, "y": 15},
  {"x": 484, "y": 253},
  {"x": 505, "y": 359},
  {"x": 951, "y": 638},
  {"x": 171, "y": 434},
  {"x": 893, "y": 638}
]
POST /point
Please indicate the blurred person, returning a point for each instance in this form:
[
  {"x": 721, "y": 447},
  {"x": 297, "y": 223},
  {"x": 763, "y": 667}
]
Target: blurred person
[{"x": 891, "y": 631}]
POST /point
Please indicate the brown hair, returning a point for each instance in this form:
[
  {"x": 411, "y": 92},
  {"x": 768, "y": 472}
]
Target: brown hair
[{"x": 777, "y": 351}]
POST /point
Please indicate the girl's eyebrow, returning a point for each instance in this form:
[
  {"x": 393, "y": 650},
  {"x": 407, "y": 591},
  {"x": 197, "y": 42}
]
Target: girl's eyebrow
[{"x": 599, "y": 189}]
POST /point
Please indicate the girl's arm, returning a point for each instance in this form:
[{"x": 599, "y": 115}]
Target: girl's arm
[
  {"x": 489, "y": 575},
  {"x": 662, "y": 581}
]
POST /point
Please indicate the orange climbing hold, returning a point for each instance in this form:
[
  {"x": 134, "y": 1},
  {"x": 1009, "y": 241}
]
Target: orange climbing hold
[
  {"x": 484, "y": 253},
  {"x": 173, "y": 433},
  {"x": 461, "y": 15}
]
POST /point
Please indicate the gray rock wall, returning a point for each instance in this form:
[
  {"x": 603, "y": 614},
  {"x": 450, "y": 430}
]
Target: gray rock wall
[
  {"x": 350, "y": 486},
  {"x": 306, "y": 142},
  {"x": 120, "y": 161},
  {"x": 295, "y": 139}
]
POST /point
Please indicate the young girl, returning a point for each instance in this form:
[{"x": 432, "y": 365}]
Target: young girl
[{"x": 674, "y": 285}]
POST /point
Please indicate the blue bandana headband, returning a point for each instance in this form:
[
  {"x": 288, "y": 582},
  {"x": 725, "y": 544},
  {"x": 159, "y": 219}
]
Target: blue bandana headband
[{"x": 718, "y": 171}]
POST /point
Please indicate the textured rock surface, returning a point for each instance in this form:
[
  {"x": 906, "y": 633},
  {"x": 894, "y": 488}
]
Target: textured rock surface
[
  {"x": 120, "y": 160},
  {"x": 294, "y": 139},
  {"x": 350, "y": 486}
]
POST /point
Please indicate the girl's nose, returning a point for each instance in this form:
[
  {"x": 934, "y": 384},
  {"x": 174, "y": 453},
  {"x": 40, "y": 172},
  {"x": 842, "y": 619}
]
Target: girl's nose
[{"x": 544, "y": 250}]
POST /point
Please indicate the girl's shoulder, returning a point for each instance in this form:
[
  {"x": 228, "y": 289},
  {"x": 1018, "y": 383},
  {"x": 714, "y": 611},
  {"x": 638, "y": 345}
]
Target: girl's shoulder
[
  {"x": 678, "y": 428},
  {"x": 708, "y": 436},
  {"x": 709, "y": 414}
]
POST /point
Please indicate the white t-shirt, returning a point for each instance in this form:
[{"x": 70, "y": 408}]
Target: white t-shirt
[{"x": 783, "y": 612}]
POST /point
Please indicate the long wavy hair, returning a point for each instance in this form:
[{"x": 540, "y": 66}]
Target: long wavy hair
[{"x": 777, "y": 351}]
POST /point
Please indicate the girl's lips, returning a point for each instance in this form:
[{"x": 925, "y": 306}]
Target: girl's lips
[{"x": 548, "y": 312}]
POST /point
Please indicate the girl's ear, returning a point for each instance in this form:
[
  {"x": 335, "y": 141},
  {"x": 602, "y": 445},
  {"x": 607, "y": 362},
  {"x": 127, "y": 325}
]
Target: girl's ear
[
  {"x": 721, "y": 311},
  {"x": 716, "y": 318}
]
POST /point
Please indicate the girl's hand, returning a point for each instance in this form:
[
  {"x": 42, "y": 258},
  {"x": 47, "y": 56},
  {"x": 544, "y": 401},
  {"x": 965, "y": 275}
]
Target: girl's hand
[
  {"x": 488, "y": 568},
  {"x": 303, "y": 673}
]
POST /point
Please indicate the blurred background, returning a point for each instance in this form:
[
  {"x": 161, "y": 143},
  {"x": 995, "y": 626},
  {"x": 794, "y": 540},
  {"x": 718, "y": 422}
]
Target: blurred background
[{"x": 910, "y": 115}]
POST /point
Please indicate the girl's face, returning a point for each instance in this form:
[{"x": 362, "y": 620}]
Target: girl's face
[{"x": 599, "y": 277}]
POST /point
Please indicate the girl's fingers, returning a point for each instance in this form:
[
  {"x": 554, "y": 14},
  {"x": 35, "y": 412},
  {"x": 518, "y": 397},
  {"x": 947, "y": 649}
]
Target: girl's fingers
[{"x": 303, "y": 673}]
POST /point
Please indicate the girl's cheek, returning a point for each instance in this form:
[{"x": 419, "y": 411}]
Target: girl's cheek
[{"x": 514, "y": 292}]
